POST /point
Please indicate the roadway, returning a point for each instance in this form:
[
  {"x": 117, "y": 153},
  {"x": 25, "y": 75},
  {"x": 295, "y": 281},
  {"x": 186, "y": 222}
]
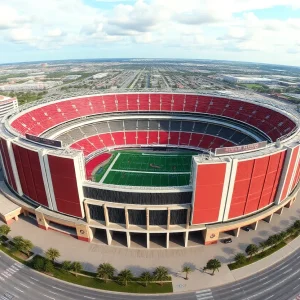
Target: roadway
[{"x": 279, "y": 282}]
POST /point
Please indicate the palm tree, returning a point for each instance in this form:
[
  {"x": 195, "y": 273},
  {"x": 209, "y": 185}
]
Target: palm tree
[
  {"x": 187, "y": 270},
  {"x": 263, "y": 245},
  {"x": 52, "y": 254},
  {"x": 76, "y": 267},
  {"x": 146, "y": 277},
  {"x": 4, "y": 230},
  {"x": 66, "y": 265},
  {"x": 22, "y": 245},
  {"x": 125, "y": 276},
  {"x": 161, "y": 274},
  {"x": 240, "y": 258},
  {"x": 213, "y": 265},
  {"x": 251, "y": 250},
  {"x": 105, "y": 271}
]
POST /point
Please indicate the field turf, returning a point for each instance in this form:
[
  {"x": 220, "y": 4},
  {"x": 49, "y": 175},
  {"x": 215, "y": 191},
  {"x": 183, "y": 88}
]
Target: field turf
[{"x": 147, "y": 169}]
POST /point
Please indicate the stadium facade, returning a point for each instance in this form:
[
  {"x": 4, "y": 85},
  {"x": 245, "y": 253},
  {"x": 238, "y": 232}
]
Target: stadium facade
[{"x": 247, "y": 168}]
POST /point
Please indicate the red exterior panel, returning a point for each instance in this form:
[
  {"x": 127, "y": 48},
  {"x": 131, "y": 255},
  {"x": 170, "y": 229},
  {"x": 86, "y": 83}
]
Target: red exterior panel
[
  {"x": 208, "y": 192},
  {"x": 65, "y": 185},
  {"x": 30, "y": 174},
  {"x": 7, "y": 164}
]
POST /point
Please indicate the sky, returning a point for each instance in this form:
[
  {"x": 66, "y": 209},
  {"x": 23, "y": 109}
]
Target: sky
[{"x": 265, "y": 31}]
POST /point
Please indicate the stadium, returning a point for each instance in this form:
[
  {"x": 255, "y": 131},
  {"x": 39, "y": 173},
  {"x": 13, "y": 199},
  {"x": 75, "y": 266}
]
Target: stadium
[{"x": 134, "y": 168}]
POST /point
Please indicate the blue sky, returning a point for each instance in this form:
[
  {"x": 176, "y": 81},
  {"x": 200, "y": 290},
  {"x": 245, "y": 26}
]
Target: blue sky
[{"x": 246, "y": 30}]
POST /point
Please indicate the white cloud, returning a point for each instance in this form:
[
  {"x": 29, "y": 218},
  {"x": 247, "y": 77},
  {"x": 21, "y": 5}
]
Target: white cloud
[{"x": 54, "y": 32}]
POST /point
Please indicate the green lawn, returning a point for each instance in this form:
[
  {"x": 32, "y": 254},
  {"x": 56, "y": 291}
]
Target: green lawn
[
  {"x": 257, "y": 257},
  {"x": 132, "y": 287}
]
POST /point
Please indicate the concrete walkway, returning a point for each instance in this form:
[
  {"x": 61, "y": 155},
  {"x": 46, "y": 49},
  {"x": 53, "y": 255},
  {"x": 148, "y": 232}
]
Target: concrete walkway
[{"x": 91, "y": 255}]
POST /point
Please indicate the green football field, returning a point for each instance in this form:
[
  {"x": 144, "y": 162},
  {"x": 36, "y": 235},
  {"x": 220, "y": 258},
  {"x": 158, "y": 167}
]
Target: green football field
[{"x": 146, "y": 169}]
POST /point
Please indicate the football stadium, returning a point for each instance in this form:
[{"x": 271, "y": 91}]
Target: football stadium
[{"x": 175, "y": 169}]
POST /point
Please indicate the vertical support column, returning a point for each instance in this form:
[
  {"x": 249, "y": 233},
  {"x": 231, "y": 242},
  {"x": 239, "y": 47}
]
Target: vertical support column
[
  {"x": 87, "y": 212},
  {"x": 289, "y": 205},
  {"x": 42, "y": 223},
  {"x": 148, "y": 240},
  {"x": 186, "y": 238},
  {"x": 269, "y": 218},
  {"x": 106, "y": 216},
  {"x": 279, "y": 211},
  {"x": 169, "y": 218},
  {"x": 148, "y": 218},
  {"x": 109, "y": 237},
  {"x": 237, "y": 231},
  {"x": 126, "y": 217},
  {"x": 84, "y": 233},
  {"x": 188, "y": 218},
  {"x": 254, "y": 225},
  {"x": 128, "y": 239},
  {"x": 167, "y": 240}
]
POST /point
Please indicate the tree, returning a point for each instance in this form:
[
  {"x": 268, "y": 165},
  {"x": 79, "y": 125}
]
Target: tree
[
  {"x": 187, "y": 270},
  {"x": 251, "y": 250},
  {"x": 263, "y": 245},
  {"x": 66, "y": 265},
  {"x": 38, "y": 263},
  {"x": 125, "y": 276},
  {"x": 52, "y": 254},
  {"x": 161, "y": 274},
  {"x": 105, "y": 271},
  {"x": 146, "y": 277},
  {"x": 213, "y": 265},
  {"x": 76, "y": 267},
  {"x": 297, "y": 224},
  {"x": 22, "y": 245},
  {"x": 240, "y": 258},
  {"x": 4, "y": 230},
  {"x": 49, "y": 267}
]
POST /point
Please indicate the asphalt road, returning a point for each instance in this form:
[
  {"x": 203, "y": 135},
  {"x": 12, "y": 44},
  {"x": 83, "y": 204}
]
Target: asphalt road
[{"x": 279, "y": 282}]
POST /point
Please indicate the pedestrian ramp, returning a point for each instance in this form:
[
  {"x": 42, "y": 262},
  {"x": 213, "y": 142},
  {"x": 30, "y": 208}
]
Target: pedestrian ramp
[{"x": 204, "y": 295}]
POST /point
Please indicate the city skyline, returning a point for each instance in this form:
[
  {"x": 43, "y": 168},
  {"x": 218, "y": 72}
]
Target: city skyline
[{"x": 252, "y": 31}]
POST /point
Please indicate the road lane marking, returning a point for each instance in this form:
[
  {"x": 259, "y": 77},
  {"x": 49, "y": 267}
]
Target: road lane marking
[
  {"x": 18, "y": 289},
  {"x": 266, "y": 282},
  {"x": 52, "y": 293},
  {"x": 236, "y": 289},
  {"x": 202, "y": 291},
  {"x": 296, "y": 287},
  {"x": 24, "y": 285},
  {"x": 287, "y": 271},
  {"x": 269, "y": 297},
  {"x": 49, "y": 297},
  {"x": 88, "y": 297},
  {"x": 58, "y": 288},
  {"x": 30, "y": 281},
  {"x": 34, "y": 279}
]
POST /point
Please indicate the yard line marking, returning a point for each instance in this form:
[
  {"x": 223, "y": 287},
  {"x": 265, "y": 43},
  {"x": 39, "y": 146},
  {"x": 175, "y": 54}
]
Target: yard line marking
[
  {"x": 148, "y": 172},
  {"x": 18, "y": 289},
  {"x": 109, "y": 168},
  {"x": 34, "y": 279}
]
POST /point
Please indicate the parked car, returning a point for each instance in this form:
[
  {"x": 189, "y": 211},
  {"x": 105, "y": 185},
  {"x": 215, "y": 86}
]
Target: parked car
[{"x": 227, "y": 241}]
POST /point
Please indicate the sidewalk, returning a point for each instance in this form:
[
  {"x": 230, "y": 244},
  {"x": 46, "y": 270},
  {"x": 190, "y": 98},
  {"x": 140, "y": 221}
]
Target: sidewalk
[{"x": 91, "y": 255}]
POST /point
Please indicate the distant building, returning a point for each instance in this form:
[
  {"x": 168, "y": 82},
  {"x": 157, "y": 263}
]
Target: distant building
[
  {"x": 7, "y": 104},
  {"x": 30, "y": 85},
  {"x": 71, "y": 77},
  {"x": 240, "y": 79},
  {"x": 99, "y": 75}
]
